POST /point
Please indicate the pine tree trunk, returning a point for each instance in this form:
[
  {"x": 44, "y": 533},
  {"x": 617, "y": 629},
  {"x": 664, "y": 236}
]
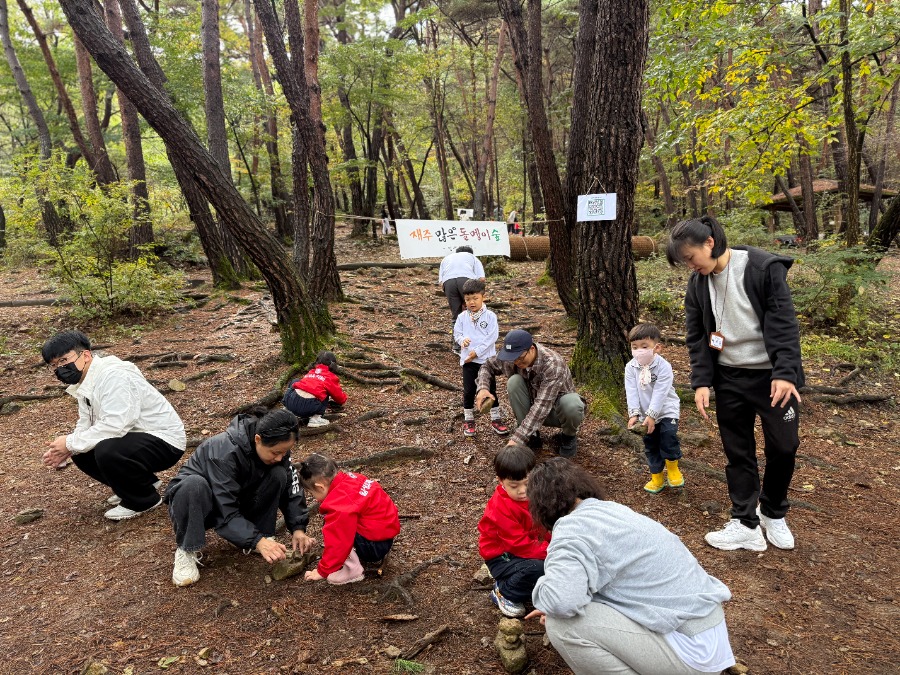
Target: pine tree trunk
[
  {"x": 141, "y": 232},
  {"x": 103, "y": 165},
  {"x": 302, "y": 322},
  {"x": 485, "y": 154},
  {"x": 811, "y": 221},
  {"x": 613, "y": 135}
]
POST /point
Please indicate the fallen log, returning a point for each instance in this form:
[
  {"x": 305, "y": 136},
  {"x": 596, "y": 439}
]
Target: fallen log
[
  {"x": 35, "y": 302},
  {"x": 430, "y": 379},
  {"x": 30, "y": 397},
  {"x": 822, "y": 389},
  {"x": 423, "y": 642},
  {"x": 385, "y": 456},
  {"x": 349, "y": 267}
]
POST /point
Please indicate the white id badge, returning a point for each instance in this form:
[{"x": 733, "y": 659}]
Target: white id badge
[{"x": 717, "y": 341}]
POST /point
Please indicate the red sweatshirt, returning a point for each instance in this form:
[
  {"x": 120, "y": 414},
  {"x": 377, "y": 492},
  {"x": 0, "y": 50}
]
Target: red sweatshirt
[
  {"x": 506, "y": 527},
  {"x": 321, "y": 382},
  {"x": 354, "y": 504}
]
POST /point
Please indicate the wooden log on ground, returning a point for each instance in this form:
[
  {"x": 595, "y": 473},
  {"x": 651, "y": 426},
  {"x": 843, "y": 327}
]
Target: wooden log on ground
[
  {"x": 822, "y": 389},
  {"x": 431, "y": 379},
  {"x": 31, "y": 397},
  {"x": 848, "y": 399},
  {"x": 34, "y": 302}
]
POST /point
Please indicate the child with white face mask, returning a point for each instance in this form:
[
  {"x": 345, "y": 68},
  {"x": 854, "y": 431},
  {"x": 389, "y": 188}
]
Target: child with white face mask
[{"x": 652, "y": 400}]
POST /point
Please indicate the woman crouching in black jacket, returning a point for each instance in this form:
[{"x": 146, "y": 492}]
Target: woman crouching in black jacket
[{"x": 234, "y": 483}]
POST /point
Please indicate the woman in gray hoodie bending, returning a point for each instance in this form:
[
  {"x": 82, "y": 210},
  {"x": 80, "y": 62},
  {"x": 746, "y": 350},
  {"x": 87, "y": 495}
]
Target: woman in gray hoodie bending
[{"x": 620, "y": 593}]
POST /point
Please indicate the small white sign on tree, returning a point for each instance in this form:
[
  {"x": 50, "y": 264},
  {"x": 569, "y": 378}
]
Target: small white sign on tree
[
  {"x": 437, "y": 238},
  {"x": 597, "y": 207}
]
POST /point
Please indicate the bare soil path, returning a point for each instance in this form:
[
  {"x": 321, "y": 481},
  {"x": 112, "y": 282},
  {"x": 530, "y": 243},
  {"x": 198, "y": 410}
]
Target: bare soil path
[{"x": 75, "y": 588}]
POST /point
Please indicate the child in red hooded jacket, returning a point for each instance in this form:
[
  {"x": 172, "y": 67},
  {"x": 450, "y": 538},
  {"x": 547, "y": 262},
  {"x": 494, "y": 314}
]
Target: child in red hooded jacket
[
  {"x": 361, "y": 520},
  {"x": 310, "y": 396},
  {"x": 513, "y": 548}
]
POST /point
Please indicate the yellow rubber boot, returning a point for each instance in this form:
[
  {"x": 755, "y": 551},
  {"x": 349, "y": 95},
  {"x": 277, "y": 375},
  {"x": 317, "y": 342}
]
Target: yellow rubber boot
[
  {"x": 676, "y": 478},
  {"x": 656, "y": 484}
]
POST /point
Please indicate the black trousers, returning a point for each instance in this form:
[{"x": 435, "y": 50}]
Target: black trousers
[
  {"x": 128, "y": 465},
  {"x": 516, "y": 576},
  {"x": 301, "y": 406},
  {"x": 741, "y": 395},
  {"x": 453, "y": 292},
  {"x": 371, "y": 551},
  {"x": 662, "y": 444},
  {"x": 192, "y": 510},
  {"x": 470, "y": 375}
]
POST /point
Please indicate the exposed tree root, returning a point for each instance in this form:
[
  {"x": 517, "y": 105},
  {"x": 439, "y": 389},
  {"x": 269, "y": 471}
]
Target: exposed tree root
[
  {"x": 266, "y": 401},
  {"x": 431, "y": 379},
  {"x": 31, "y": 397},
  {"x": 395, "y": 589},
  {"x": 347, "y": 267},
  {"x": 423, "y": 642},
  {"x": 848, "y": 399}
]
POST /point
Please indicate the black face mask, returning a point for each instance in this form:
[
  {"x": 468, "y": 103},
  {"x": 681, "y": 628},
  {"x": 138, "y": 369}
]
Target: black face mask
[{"x": 68, "y": 374}]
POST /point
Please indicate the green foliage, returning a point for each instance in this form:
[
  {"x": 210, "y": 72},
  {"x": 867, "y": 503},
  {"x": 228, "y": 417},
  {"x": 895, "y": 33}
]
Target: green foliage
[
  {"x": 404, "y": 666},
  {"x": 90, "y": 261},
  {"x": 660, "y": 288},
  {"x": 880, "y": 352},
  {"x": 744, "y": 227},
  {"x": 821, "y": 281}
]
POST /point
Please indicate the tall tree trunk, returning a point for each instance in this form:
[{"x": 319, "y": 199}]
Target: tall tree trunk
[
  {"x": 662, "y": 176},
  {"x": 213, "y": 103},
  {"x": 851, "y": 180},
  {"x": 485, "y": 154},
  {"x": 799, "y": 220},
  {"x": 436, "y": 110},
  {"x": 690, "y": 189},
  {"x": 885, "y": 139},
  {"x": 102, "y": 165},
  {"x": 418, "y": 197},
  {"x": 810, "y": 219},
  {"x": 53, "y": 223},
  {"x": 533, "y": 179},
  {"x": 607, "y": 285},
  {"x": 223, "y": 273},
  {"x": 141, "y": 232},
  {"x": 887, "y": 229},
  {"x": 527, "y": 48},
  {"x": 302, "y": 323},
  {"x": 348, "y": 147},
  {"x": 61, "y": 92},
  {"x": 262, "y": 80}
]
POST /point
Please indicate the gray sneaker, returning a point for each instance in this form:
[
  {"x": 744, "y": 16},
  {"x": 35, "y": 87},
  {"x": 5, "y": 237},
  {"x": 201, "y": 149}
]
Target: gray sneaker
[
  {"x": 736, "y": 535},
  {"x": 777, "y": 531}
]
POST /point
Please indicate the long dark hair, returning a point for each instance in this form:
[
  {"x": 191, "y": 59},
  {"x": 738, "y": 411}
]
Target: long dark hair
[
  {"x": 555, "y": 486},
  {"x": 695, "y": 232}
]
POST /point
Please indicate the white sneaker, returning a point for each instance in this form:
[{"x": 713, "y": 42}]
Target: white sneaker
[
  {"x": 115, "y": 500},
  {"x": 777, "y": 531},
  {"x": 121, "y": 513},
  {"x": 318, "y": 421},
  {"x": 185, "y": 571},
  {"x": 736, "y": 535}
]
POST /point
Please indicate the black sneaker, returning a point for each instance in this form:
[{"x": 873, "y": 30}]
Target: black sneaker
[
  {"x": 373, "y": 568},
  {"x": 535, "y": 442},
  {"x": 568, "y": 445}
]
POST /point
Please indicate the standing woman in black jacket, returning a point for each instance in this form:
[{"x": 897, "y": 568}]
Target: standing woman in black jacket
[
  {"x": 744, "y": 341},
  {"x": 235, "y": 482}
]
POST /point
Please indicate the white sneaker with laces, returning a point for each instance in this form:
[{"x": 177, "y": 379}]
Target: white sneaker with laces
[
  {"x": 736, "y": 535},
  {"x": 777, "y": 531},
  {"x": 318, "y": 421},
  {"x": 508, "y": 608},
  {"x": 115, "y": 500},
  {"x": 121, "y": 513},
  {"x": 185, "y": 571}
]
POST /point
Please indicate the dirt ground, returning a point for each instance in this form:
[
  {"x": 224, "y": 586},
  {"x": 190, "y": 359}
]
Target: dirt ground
[{"x": 76, "y": 588}]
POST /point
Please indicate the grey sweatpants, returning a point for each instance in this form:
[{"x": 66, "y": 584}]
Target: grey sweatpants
[
  {"x": 603, "y": 640},
  {"x": 567, "y": 413}
]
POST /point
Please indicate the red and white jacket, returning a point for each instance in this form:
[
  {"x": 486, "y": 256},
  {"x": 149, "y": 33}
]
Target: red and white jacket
[
  {"x": 354, "y": 504},
  {"x": 321, "y": 382},
  {"x": 507, "y": 527}
]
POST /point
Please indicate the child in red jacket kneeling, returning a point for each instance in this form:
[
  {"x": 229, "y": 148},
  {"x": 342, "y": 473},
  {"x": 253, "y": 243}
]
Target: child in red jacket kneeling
[
  {"x": 361, "y": 520},
  {"x": 311, "y": 395},
  {"x": 513, "y": 548}
]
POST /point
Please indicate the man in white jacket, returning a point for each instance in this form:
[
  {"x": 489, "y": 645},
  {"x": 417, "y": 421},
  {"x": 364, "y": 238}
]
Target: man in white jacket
[{"x": 126, "y": 430}]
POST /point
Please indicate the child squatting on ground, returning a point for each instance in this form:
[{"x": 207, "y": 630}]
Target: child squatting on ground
[
  {"x": 652, "y": 400},
  {"x": 361, "y": 520},
  {"x": 311, "y": 395},
  {"x": 476, "y": 333},
  {"x": 513, "y": 548}
]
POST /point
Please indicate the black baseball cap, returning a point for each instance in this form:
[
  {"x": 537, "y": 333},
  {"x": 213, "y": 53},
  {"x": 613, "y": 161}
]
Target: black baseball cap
[{"x": 516, "y": 343}]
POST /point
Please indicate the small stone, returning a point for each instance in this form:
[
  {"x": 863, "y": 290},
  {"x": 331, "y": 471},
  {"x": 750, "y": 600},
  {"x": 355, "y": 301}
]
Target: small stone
[
  {"x": 483, "y": 575},
  {"x": 392, "y": 652},
  {"x": 545, "y": 640},
  {"x": 738, "y": 669},
  {"x": 27, "y": 516},
  {"x": 510, "y": 645},
  {"x": 95, "y": 668},
  {"x": 292, "y": 565},
  {"x": 711, "y": 507}
]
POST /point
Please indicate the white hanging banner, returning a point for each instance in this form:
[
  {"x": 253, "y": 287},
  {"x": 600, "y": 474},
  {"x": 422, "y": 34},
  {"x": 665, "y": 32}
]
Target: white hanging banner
[
  {"x": 437, "y": 238},
  {"x": 597, "y": 207}
]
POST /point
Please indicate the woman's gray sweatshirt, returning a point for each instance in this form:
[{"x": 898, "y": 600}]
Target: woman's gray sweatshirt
[{"x": 605, "y": 552}]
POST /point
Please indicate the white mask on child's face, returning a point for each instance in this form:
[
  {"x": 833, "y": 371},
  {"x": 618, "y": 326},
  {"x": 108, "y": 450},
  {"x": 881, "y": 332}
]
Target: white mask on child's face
[{"x": 643, "y": 356}]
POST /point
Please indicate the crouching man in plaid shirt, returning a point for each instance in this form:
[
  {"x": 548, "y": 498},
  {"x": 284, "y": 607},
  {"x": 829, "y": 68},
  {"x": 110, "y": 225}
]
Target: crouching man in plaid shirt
[{"x": 540, "y": 390}]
